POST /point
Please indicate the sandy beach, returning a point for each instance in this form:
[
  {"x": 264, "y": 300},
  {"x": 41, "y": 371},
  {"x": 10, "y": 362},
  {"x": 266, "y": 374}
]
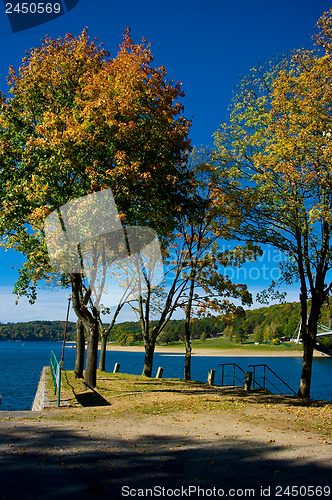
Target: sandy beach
[
  {"x": 216, "y": 352},
  {"x": 206, "y": 351}
]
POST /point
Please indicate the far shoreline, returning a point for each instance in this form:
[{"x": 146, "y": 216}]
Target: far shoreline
[
  {"x": 235, "y": 352},
  {"x": 213, "y": 351}
]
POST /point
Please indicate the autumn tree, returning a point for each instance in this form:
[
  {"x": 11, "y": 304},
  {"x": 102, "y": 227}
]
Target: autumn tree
[
  {"x": 78, "y": 122},
  {"x": 209, "y": 289},
  {"x": 159, "y": 303},
  {"x": 195, "y": 280},
  {"x": 275, "y": 162}
]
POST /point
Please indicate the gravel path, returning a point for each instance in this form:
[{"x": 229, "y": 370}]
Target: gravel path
[{"x": 246, "y": 453}]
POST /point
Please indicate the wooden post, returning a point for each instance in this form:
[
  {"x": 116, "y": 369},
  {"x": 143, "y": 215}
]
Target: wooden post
[
  {"x": 160, "y": 372},
  {"x": 247, "y": 381},
  {"x": 211, "y": 376},
  {"x": 116, "y": 368}
]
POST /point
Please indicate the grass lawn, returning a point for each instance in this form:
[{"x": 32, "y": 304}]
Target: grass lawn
[
  {"x": 135, "y": 396},
  {"x": 224, "y": 343}
]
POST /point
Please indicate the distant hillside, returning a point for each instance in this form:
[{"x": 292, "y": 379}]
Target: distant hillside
[
  {"x": 37, "y": 330},
  {"x": 265, "y": 324}
]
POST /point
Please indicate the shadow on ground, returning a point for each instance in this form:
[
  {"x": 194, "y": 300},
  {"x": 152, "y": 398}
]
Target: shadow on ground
[
  {"x": 91, "y": 399},
  {"x": 40, "y": 462},
  {"x": 89, "y": 396}
]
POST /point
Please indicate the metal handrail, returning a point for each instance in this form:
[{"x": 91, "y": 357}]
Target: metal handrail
[
  {"x": 235, "y": 365},
  {"x": 266, "y": 379},
  {"x": 234, "y": 371},
  {"x": 56, "y": 374}
]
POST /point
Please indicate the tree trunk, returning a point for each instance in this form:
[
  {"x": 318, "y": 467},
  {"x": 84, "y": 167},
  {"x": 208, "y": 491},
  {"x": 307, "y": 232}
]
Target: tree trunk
[
  {"x": 102, "y": 358},
  {"x": 187, "y": 344},
  {"x": 187, "y": 364},
  {"x": 80, "y": 350},
  {"x": 90, "y": 321},
  {"x": 148, "y": 360},
  {"x": 104, "y": 337},
  {"x": 305, "y": 382},
  {"x": 90, "y": 374},
  {"x": 309, "y": 335},
  {"x": 187, "y": 329}
]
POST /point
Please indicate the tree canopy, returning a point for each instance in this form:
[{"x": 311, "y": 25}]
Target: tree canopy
[
  {"x": 275, "y": 158},
  {"x": 77, "y": 122}
]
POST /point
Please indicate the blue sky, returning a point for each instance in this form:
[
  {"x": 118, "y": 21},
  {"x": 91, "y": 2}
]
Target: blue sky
[{"x": 206, "y": 45}]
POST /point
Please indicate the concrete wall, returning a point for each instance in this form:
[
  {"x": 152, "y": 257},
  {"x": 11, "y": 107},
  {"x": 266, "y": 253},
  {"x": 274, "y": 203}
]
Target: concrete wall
[{"x": 41, "y": 399}]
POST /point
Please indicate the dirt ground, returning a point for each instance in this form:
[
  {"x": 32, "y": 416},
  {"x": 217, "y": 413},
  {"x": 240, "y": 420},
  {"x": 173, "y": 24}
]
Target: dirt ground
[{"x": 197, "y": 443}]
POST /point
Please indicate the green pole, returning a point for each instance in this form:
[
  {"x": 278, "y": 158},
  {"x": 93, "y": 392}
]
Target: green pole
[{"x": 59, "y": 384}]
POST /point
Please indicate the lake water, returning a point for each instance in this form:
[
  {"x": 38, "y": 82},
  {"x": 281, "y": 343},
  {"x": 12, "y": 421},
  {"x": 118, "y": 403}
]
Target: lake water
[{"x": 21, "y": 364}]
